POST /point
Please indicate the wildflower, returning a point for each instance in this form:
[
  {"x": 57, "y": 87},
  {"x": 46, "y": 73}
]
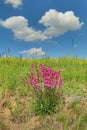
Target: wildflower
[
  {"x": 44, "y": 75},
  {"x": 45, "y": 81}
]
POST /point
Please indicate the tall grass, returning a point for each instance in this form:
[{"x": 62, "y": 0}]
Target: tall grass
[
  {"x": 72, "y": 114},
  {"x": 74, "y": 70}
]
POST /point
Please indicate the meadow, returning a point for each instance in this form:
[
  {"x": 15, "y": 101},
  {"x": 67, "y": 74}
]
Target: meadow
[{"x": 16, "y": 111}]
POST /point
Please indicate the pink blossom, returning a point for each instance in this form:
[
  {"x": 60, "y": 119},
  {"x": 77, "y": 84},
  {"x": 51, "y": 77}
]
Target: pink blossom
[{"x": 46, "y": 76}]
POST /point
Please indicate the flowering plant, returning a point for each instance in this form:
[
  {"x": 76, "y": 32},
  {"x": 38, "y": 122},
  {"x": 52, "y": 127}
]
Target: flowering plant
[{"x": 47, "y": 83}]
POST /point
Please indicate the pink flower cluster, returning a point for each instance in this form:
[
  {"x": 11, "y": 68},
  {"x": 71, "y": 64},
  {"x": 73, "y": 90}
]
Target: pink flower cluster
[{"x": 45, "y": 76}]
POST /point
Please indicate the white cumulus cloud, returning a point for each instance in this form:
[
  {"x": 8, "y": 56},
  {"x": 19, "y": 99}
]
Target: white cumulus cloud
[
  {"x": 56, "y": 23},
  {"x": 15, "y": 3},
  {"x": 33, "y": 51},
  {"x": 19, "y": 26}
]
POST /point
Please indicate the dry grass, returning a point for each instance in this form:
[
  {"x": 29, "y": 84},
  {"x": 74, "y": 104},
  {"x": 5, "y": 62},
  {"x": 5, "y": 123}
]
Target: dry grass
[{"x": 16, "y": 111}]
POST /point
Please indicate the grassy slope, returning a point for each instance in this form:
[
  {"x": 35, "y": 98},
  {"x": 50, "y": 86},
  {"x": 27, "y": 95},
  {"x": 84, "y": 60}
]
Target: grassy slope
[{"x": 74, "y": 72}]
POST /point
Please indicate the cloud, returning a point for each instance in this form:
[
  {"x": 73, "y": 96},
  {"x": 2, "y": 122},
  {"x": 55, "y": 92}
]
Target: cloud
[
  {"x": 56, "y": 23},
  {"x": 15, "y": 3},
  {"x": 37, "y": 51},
  {"x": 19, "y": 26}
]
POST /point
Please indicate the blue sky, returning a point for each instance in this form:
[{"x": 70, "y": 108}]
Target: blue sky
[{"x": 44, "y": 27}]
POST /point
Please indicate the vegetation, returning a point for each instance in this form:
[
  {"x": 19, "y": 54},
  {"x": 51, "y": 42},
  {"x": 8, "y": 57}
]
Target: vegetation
[{"x": 16, "y": 100}]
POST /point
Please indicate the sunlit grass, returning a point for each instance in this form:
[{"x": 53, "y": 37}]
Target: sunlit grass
[
  {"x": 74, "y": 70},
  {"x": 72, "y": 114}
]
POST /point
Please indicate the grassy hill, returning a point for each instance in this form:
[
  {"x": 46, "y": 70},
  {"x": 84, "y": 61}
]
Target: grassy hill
[{"x": 15, "y": 108}]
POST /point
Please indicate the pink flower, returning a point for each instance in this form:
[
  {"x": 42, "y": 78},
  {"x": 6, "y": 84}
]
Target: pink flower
[{"x": 46, "y": 76}]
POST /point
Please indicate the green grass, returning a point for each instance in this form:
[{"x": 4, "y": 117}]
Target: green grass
[{"x": 71, "y": 115}]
